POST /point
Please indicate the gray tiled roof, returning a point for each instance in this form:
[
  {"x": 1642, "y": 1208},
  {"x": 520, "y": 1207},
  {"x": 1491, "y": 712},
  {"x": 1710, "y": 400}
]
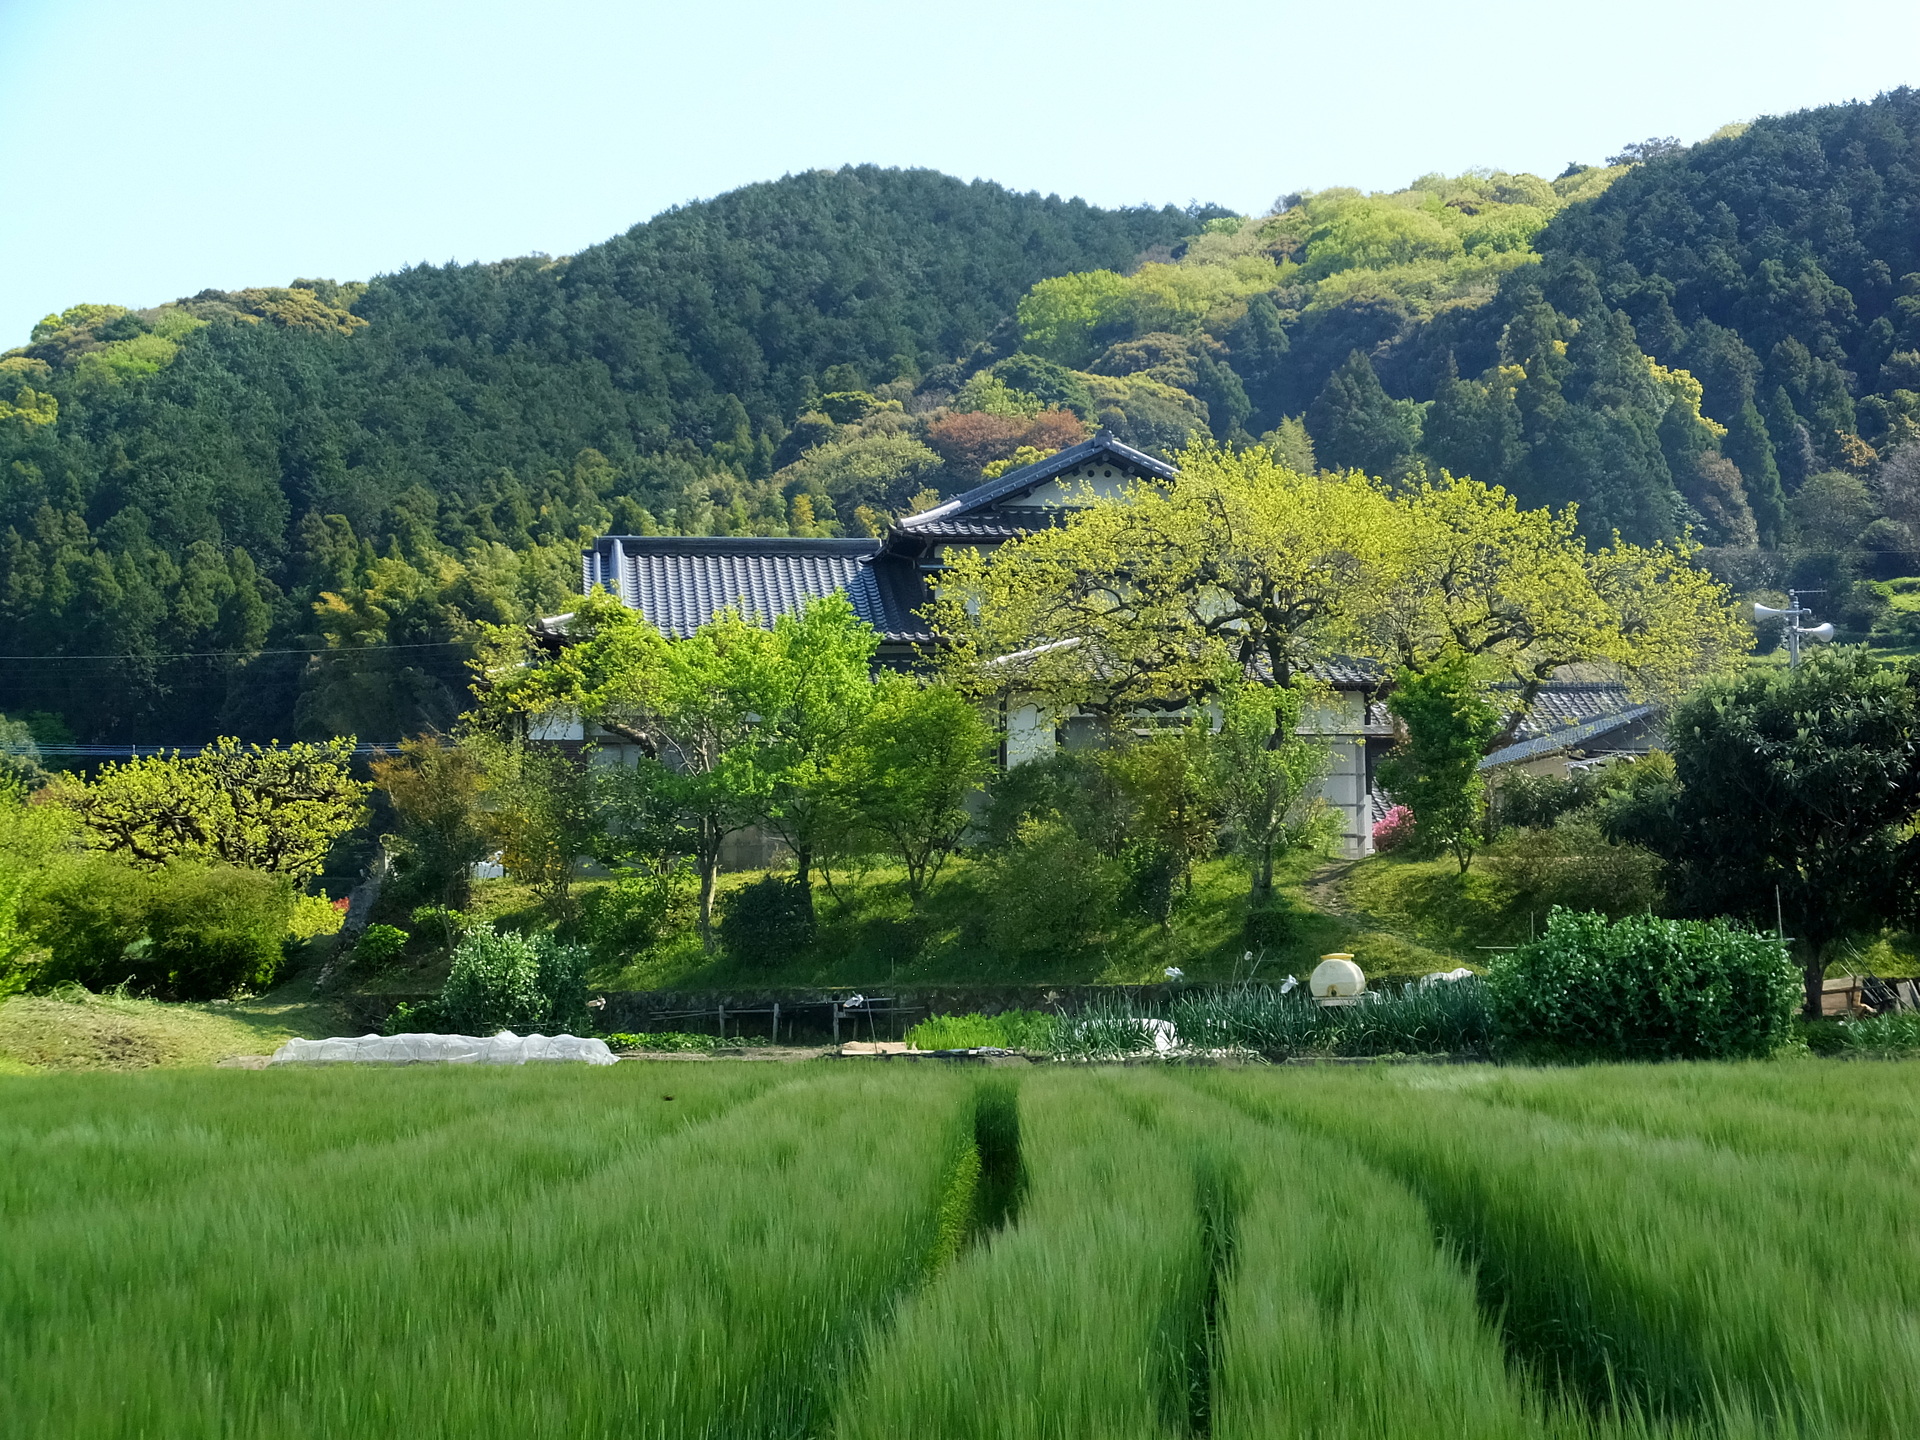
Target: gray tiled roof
[
  {"x": 680, "y": 582},
  {"x": 1018, "y": 482},
  {"x": 1560, "y": 708},
  {"x": 1348, "y": 672},
  {"x": 1565, "y": 703},
  {"x": 1560, "y": 738},
  {"x": 1003, "y": 526},
  {"x": 1340, "y": 672}
]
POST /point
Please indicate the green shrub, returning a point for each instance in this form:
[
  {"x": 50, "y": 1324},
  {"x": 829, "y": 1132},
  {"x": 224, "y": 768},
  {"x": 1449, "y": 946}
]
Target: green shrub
[
  {"x": 636, "y": 911},
  {"x": 523, "y": 983},
  {"x": 443, "y": 923},
  {"x": 767, "y": 921},
  {"x": 314, "y": 915},
  {"x": 418, "y": 1017},
  {"x": 1534, "y": 802},
  {"x": 1051, "y": 890},
  {"x": 563, "y": 981},
  {"x": 1645, "y": 988},
  {"x": 378, "y": 947},
  {"x": 91, "y": 915},
  {"x": 1572, "y": 864},
  {"x": 190, "y": 931},
  {"x": 216, "y": 930},
  {"x": 1270, "y": 927}
]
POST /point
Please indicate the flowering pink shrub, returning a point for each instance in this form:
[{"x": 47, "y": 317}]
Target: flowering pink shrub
[{"x": 1393, "y": 828}]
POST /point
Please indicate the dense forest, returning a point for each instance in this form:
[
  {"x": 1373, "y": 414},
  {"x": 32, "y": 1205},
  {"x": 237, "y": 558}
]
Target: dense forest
[
  {"x": 284, "y": 510},
  {"x": 369, "y": 468}
]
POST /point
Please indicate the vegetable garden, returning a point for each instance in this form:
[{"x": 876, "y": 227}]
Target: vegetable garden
[{"x": 854, "y": 1251}]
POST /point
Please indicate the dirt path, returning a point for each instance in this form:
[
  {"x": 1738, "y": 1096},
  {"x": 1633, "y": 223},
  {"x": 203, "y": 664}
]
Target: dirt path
[{"x": 1322, "y": 889}]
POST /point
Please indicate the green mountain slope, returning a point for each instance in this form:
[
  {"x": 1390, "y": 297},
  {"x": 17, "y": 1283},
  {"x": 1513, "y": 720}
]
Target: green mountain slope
[
  {"x": 1722, "y": 340},
  {"x": 430, "y": 447}
]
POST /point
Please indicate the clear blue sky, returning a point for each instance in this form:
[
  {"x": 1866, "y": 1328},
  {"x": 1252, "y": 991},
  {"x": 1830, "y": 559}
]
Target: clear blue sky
[{"x": 156, "y": 149}]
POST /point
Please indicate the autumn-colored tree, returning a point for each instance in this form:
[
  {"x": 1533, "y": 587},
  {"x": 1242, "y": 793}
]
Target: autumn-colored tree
[
  {"x": 437, "y": 790},
  {"x": 970, "y": 440}
]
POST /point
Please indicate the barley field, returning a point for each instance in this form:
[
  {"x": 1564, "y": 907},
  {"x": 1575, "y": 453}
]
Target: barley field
[{"x": 719, "y": 1250}]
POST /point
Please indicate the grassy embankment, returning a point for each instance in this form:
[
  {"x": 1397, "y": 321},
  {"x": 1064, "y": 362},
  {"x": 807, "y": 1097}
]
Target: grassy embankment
[
  {"x": 1671, "y": 1252},
  {"x": 71, "y": 1029},
  {"x": 870, "y": 933}
]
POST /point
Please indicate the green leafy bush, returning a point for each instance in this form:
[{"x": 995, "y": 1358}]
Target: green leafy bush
[
  {"x": 523, "y": 983},
  {"x": 637, "y": 911},
  {"x": 314, "y": 915},
  {"x": 1051, "y": 890},
  {"x": 767, "y": 921},
  {"x": 215, "y": 930},
  {"x": 418, "y": 1017},
  {"x": 443, "y": 923},
  {"x": 188, "y": 931},
  {"x": 1536, "y": 801},
  {"x": 378, "y": 947},
  {"x": 1573, "y": 864},
  {"x": 1645, "y": 988},
  {"x": 1270, "y": 926}
]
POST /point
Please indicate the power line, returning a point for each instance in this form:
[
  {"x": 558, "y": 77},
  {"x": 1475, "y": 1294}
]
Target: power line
[
  {"x": 250, "y": 654},
  {"x": 89, "y": 752}
]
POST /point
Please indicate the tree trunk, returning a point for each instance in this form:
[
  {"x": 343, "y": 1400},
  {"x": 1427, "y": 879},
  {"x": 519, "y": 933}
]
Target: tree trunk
[
  {"x": 709, "y": 883},
  {"x": 1263, "y": 877},
  {"x": 1813, "y": 967},
  {"x": 1815, "y": 978}
]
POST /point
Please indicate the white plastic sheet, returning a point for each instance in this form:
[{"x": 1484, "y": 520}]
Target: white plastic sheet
[
  {"x": 506, "y": 1048},
  {"x": 1161, "y": 1033}
]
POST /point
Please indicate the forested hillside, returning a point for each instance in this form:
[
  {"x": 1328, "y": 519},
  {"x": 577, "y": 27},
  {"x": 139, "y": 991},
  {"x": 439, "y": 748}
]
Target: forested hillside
[
  {"x": 1723, "y": 339},
  {"x": 376, "y": 465}
]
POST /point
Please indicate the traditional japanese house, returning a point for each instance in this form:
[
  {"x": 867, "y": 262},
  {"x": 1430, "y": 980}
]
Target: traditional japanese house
[{"x": 680, "y": 582}]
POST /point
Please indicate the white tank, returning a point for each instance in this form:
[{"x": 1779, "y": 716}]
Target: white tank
[{"x": 1337, "y": 975}]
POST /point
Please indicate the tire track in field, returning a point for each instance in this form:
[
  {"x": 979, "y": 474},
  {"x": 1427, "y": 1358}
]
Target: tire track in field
[{"x": 1557, "y": 1354}]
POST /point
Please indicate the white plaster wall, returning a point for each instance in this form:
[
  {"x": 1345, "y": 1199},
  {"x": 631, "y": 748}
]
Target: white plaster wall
[
  {"x": 1345, "y": 789},
  {"x": 1070, "y": 487},
  {"x": 1030, "y": 735},
  {"x": 561, "y": 724}
]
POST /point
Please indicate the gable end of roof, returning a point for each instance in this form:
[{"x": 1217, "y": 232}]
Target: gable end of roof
[{"x": 1030, "y": 477}]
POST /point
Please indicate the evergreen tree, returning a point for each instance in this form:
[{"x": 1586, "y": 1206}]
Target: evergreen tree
[
  {"x": 1748, "y": 447},
  {"x": 1474, "y": 428},
  {"x": 1356, "y": 425},
  {"x": 1435, "y": 770},
  {"x": 1259, "y": 349}
]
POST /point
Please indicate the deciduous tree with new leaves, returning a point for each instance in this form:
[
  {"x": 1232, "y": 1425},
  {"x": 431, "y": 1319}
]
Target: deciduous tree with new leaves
[
  {"x": 1242, "y": 566},
  {"x": 277, "y": 808}
]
